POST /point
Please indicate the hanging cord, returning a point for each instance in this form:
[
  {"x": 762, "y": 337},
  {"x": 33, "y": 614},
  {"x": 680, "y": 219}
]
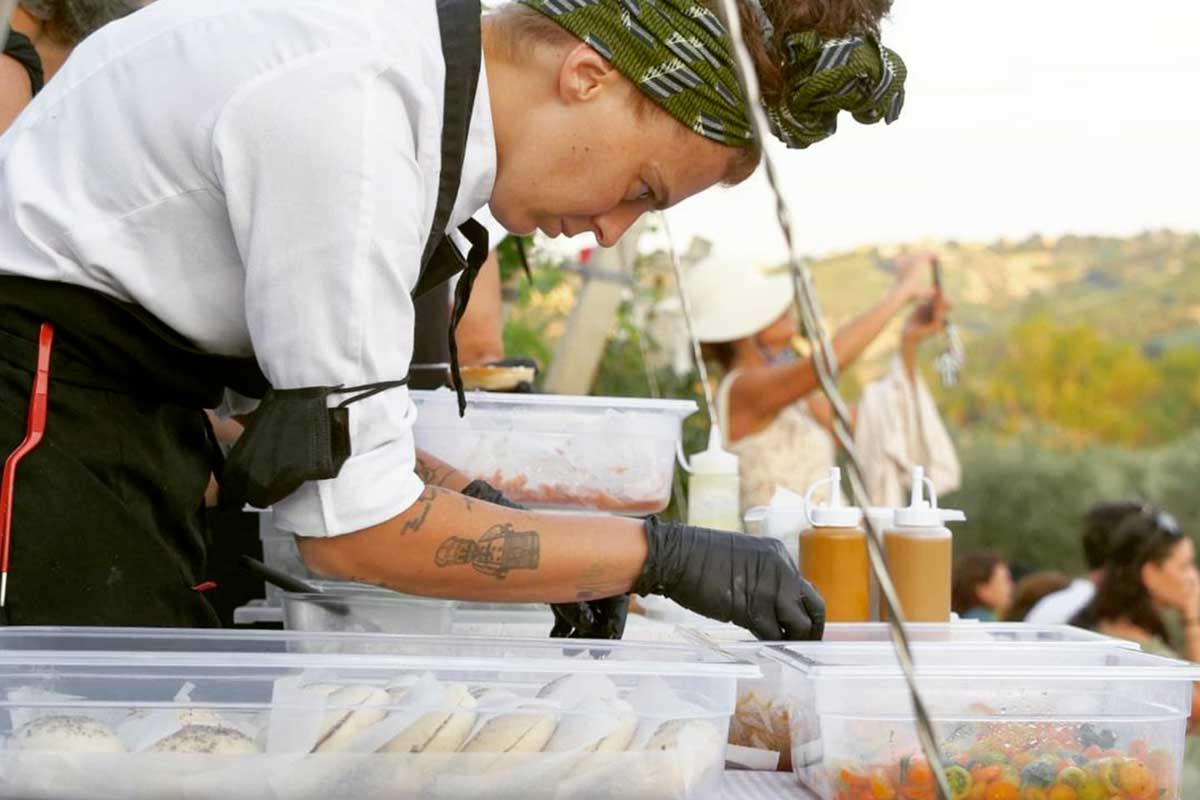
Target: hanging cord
[
  {"x": 826, "y": 363},
  {"x": 685, "y": 304}
]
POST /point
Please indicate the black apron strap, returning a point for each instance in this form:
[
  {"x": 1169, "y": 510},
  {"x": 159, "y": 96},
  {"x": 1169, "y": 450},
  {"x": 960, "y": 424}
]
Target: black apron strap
[
  {"x": 477, "y": 235},
  {"x": 459, "y": 28}
]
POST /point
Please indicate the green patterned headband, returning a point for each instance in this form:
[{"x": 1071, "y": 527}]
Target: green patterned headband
[{"x": 677, "y": 52}]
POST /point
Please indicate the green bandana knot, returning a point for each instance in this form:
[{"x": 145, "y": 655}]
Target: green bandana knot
[
  {"x": 827, "y": 76},
  {"x": 677, "y": 52}
]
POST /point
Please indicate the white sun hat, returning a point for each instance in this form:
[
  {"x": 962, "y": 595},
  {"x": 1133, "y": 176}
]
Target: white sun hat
[{"x": 733, "y": 301}]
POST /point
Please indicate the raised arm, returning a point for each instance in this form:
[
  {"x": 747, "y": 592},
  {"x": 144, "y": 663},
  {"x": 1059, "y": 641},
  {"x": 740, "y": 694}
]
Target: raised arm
[{"x": 761, "y": 392}]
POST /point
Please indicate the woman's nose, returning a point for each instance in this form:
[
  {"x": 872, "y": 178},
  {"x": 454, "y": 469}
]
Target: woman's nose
[{"x": 611, "y": 226}]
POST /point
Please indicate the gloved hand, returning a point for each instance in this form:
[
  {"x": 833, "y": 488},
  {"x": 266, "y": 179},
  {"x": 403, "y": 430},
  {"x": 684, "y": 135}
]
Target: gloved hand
[
  {"x": 747, "y": 580},
  {"x": 591, "y": 619}
]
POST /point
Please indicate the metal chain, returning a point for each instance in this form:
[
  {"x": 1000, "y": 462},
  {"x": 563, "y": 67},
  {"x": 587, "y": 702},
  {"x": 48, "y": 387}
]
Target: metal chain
[
  {"x": 685, "y": 303},
  {"x": 825, "y": 360}
]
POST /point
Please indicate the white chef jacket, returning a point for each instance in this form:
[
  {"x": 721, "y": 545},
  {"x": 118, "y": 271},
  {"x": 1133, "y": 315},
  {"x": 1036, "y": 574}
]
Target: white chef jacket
[{"x": 261, "y": 176}]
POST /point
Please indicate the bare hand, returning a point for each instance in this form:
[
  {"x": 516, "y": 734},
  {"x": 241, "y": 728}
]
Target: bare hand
[
  {"x": 913, "y": 274},
  {"x": 1189, "y": 600},
  {"x": 927, "y": 319}
]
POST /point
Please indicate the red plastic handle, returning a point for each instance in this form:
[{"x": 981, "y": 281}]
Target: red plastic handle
[{"x": 35, "y": 427}]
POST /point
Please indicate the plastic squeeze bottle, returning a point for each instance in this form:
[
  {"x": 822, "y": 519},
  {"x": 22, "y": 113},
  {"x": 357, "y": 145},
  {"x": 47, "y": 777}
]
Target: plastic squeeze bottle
[
  {"x": 833, "y": 552},
  {"x": 919, "y": 551},
  {"x": 714, "y": 487}
]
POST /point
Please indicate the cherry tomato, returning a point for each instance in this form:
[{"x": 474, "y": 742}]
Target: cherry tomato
[
  {"x": 1002, "y": 790},
  {"x": 1060, "y": 791},
  {"x": 1136, "y": 780}
]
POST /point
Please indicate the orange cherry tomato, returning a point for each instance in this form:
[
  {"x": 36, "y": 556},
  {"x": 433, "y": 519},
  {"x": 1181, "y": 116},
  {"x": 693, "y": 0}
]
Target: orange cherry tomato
[
  {"x": 919, "y": 773},
  {"x": 985, "y": 774},
  {"x": 1060, "y": 791},
  {"x": 1002, "y": 790},
  {"x": 880, "y": 786},
  {"x": 1138, "y": 750}
]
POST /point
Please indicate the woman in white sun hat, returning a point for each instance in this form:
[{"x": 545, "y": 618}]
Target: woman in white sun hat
[{"x": 770, "y": 410}]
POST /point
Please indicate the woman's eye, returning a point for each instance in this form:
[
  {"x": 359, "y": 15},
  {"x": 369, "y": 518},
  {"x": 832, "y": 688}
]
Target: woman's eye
[{"x": 643, "y": 192}]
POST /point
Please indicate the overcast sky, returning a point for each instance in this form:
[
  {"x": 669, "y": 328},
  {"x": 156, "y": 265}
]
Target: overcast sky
[{"x": 1056, "y": 116}]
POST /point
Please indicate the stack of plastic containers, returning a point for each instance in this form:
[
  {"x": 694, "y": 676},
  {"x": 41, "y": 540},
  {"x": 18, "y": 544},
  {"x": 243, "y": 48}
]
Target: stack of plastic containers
[
  {"x": 777, "y": 712},
  {"x": 203, "y": 714}
]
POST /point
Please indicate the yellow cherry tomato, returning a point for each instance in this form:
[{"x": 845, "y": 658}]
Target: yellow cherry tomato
[{"x": 1136, "y": 780}]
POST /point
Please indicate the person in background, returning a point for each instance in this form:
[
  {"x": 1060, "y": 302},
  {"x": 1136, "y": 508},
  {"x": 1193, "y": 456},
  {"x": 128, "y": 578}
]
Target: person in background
[
  {"x": 1030, "y": 589},
  {"x": 982, "y": 587},
  {"x": 1151, "y": 571},
  {"x": 771, "y": 412},
  {"x": 1099, "y": 524},
  {"x": 42, "y": 34}
]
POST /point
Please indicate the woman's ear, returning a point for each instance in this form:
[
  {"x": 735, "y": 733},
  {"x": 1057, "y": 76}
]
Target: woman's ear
[{"x": 584, "y": 75}]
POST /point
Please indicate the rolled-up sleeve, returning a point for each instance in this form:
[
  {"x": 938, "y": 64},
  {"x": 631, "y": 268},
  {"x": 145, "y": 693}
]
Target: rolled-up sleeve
[{"x": 329, "y": 208}]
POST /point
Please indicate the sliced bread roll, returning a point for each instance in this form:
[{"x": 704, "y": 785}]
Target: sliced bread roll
[
  {"x": 355, "y": 708},
  {"x": 438, "y": 731}
]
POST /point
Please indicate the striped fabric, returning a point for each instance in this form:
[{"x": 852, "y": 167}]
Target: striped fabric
[{"x": 678, "y": 53}]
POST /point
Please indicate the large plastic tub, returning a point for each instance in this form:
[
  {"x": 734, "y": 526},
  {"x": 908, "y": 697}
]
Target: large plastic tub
[
  {"x": 360, "y": 608},
  {"x": 1017, "y": 718},
  {"x": 612, "y": 454},
  {"x": 177, "y": 714},
  {"x": 764, "y": 705}
]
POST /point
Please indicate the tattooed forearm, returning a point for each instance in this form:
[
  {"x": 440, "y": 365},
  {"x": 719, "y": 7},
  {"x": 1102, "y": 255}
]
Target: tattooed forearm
[
  {"x": 596, "y": 582},
  {"x": 435, "y": 472},
  {"x": 419, "y": 511},
  {"x": 501, "y": 549}
]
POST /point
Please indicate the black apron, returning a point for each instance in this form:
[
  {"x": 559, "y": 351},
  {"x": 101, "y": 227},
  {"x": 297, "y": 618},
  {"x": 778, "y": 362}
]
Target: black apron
[{"x": 108, "y": 513}]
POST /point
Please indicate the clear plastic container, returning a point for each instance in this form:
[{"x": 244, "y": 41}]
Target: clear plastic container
[
  {"x": 764, "y": 706},
  {"x": 279, "y": 553},
  {"x": 138, "y": 716},
  {"x": 367, "y": 612},
  {"x": 612, "y": 454},
  {"x": 1029, "y": 715}
]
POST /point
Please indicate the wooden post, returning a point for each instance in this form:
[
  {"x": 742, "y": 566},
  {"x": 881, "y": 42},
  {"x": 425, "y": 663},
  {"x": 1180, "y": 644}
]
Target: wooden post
[{"x": 577, "y": 357}]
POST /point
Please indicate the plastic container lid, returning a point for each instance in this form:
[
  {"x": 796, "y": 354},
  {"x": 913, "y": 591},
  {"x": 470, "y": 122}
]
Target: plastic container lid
[
  {"x": 678, "y": 408},
  {"x": 167, "y": 648},
  {"x": 922, "y": 513},
  {"x": 714, "y": 460},
  {"x": 854, "y": 637},
  {"x": 835, "y": 513}
]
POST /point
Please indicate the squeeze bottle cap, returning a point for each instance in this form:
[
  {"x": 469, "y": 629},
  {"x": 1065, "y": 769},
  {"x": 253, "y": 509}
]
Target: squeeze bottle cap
[
  {"x": 834, "y": 514},
  {"x": 920, "y": 513},
  {"x": 714, "y": 460}
]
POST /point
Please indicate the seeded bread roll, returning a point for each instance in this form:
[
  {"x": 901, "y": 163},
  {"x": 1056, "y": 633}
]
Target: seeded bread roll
[
  {"x": 66, "y": 734},
  {"x": 355, "y": 708},
  {"x": 437, "y": 731},
  {"x": 208, "y": 739}
]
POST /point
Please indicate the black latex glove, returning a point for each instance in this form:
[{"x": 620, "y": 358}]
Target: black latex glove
[
  {"x": 591, "y": 619},
  {"x": 748, "y": 580}
]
